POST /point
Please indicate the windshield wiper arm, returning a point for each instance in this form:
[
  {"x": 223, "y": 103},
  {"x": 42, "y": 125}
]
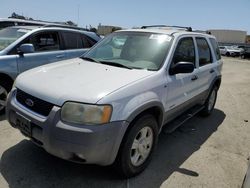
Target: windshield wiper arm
[
  {"x": 90, "y": 59},
  {"x": 115, "y": 64}
]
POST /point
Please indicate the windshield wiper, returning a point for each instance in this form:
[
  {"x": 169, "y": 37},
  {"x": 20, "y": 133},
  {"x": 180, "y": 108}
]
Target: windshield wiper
[
  {"x": 115, "y": 64},
  {"x": 90, "y": 59}
]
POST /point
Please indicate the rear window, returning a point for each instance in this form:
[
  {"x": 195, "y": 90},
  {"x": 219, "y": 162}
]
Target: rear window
[{"x": 215, "y": 48}]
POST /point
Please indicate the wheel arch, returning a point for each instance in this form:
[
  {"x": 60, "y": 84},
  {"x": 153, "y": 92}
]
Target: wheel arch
[
  {"x": 155, "y": 108},
  {"x": 7, "y": 79},
  {"x": 216, "y": 82}
]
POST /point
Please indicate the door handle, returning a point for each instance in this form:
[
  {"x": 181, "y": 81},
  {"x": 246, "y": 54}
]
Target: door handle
[
  {"x": 211, "y": 71},
  {"x": 194, "y": 78},
  {"x": 59, "y": 56}
]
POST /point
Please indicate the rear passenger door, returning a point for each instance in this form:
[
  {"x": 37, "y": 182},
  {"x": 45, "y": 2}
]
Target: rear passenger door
[
  {"x": 48, "y": 49},
  {"x": 207, "y": 64},
  {"x": 75, "y": 44}
]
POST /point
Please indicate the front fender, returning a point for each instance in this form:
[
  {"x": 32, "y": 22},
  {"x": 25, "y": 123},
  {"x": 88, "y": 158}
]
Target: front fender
[{"x": 137, "y": 105}]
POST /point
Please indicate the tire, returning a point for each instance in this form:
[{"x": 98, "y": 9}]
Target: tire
[
  {"x": 137, "y": 147},
  {"x": 210, "y": 102},
  {"x": 227, "y": 54},
  {"x": 5, "y": 88}
]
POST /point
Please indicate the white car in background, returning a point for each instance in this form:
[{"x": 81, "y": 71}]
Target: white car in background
[{"x": 230, "y": 51}]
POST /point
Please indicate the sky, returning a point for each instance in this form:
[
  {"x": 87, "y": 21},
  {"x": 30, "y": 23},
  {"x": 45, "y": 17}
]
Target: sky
[{"x": 199, "y": 14}]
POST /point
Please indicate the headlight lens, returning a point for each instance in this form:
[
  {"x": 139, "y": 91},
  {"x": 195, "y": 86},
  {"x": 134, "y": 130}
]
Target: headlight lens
[{"x": 86, "y": 113}]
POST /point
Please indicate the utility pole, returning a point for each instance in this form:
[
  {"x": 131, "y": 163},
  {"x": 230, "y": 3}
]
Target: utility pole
[{"x": 78, "y": 6}]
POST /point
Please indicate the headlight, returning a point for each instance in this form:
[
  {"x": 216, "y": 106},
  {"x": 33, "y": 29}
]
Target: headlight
[{"x": 86, "y": 113}]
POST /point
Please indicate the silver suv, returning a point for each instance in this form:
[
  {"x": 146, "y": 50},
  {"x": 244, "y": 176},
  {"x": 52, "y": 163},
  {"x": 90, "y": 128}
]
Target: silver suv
[
  {"x": 26, "y": 47},
  {"x": 109, "y": 106}
]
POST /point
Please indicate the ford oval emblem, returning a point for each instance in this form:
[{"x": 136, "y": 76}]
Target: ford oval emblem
[{"x": 29, "y": 102}]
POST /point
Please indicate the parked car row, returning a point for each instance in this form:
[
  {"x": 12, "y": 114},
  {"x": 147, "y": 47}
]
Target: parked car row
[
  {"x": 232, "y": 51},
  {"x": 235, "y": 51},
  {"x": 26, "y": 47}
]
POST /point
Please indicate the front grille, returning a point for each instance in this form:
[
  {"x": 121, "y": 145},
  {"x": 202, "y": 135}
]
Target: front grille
[{"x": 35, "y": 104}]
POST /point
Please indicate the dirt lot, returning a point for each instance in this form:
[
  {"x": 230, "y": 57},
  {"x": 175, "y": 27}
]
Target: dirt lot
[{"x": 205, "y": 152}]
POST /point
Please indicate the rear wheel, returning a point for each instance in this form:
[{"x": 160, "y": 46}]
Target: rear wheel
[
  {"x": 228, "y": 54},
  {"x": 210, "y": 102},
  {"x": 137, "y": 147},
  {"x": 5, "y": 88}
]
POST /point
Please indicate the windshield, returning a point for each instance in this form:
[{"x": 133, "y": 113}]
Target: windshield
[
  {"x": 230, "y": 47},
  {"x": 9, "y": 35},
  {"x": 134, "y": 50}
]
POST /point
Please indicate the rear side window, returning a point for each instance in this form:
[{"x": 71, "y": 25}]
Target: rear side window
[
  {"x": 72, "y": 40},
  {"x": 47, "y": 41},
  {"x": 204, "y": 52},
  {"x": 87, "y": 41},
  {"x": 185, "y": 51},
  {"x": 215, "y": 48}
]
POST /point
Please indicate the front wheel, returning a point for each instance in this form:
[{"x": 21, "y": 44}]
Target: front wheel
[
  {"x": 137, "y": 146},
  {"x": 210, "y": 102}
]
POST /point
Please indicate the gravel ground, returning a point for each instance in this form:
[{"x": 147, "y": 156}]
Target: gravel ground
[{"x": 204, "y": 152}]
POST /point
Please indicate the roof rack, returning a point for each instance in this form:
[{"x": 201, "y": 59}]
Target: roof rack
[
  {"x": 174, "y": 26},
  {"x": 64, "y": 26},
  {"x": 201, "y": 31}
]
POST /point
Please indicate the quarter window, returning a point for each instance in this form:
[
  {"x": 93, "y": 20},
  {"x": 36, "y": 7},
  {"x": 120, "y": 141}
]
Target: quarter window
[
  {"x": 87, "y": 41},
  {"x": 215, "y": 48},
  {"x": 185, "y": 51},
  {"x": 203, "y": 51}
]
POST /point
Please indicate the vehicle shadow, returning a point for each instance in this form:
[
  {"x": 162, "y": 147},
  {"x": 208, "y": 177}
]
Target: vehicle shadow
[{"x": 26, "y": 165}]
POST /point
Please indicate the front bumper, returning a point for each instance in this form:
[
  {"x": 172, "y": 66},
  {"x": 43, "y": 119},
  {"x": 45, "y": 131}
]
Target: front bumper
[
  {"x": 235, "y": 54},
  {"x": 92, "y": 144}
]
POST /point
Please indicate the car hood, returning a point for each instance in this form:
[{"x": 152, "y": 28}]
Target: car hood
[{"x": 76, "y": 80}]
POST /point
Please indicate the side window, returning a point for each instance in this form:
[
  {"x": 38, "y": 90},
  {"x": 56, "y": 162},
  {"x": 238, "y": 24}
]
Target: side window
[
  {"x": 86, "y": 42},
  {"x": 185, "y": 51},
  {"x": 72, "y": 40},
  {"x": 215, "y": 48},
  {"x": 47, "y": 41},
  {"x": 6, "y": 24},
  {"x": 203, "y": 51}
]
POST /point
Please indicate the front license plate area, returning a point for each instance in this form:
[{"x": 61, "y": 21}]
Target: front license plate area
[{"x": 23, "y": 124}]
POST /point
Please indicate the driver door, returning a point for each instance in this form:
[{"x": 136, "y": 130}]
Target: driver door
[{"x": 181, "y": 87}]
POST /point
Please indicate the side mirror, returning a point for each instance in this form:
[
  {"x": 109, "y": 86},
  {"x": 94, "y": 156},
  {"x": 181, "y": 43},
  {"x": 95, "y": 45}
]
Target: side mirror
[
  {"x": 26, "y": 48},
  {"x": 182, "y": 67}
]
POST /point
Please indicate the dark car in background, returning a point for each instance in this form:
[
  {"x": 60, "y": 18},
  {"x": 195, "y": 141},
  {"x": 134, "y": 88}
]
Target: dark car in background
[{"x": 246, "y": 52}]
